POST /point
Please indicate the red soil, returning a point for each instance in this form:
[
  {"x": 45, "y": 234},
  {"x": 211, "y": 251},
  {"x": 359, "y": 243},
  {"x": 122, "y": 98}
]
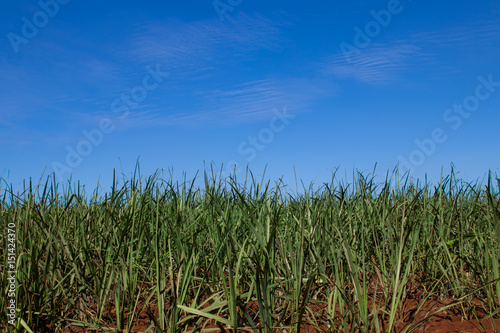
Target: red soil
[{"x": 450, "y": 320}]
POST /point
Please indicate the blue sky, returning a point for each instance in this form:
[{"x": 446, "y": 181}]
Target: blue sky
[{"x": 298, "y": 87}]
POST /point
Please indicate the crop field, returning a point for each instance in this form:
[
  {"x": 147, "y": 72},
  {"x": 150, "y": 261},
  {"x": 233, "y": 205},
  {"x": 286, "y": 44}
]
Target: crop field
[{"x": 246, "y": 255}]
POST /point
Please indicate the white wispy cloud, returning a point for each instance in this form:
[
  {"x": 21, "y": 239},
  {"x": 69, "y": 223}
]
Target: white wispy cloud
[
  {"x": 381, "y": 64},
  {"x": 256, "y": 99},
  {"x": 248, "y": 101},
  {"x": 378, "y": 64},
  {"x": 203, "y": 44},
  {"x": 94, "y": 78},
  {"x": 469, "y": 35},
  {"x": 194, "y": 52}
]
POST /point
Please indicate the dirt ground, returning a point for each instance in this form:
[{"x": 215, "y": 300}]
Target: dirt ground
[{"x": 449, "y": 320}]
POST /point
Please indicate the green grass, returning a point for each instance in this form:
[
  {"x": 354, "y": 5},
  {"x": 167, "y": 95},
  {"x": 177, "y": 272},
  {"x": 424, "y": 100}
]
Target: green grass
[{"x": 249, "y": 254}]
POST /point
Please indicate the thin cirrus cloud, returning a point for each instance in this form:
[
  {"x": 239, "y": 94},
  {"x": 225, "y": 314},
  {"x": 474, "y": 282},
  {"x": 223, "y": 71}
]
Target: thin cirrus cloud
[
  {"x": 377, "y": 64},
  {"x": 190, "y": 51},
  {"x": 198, "y": 57},
  {"x": 381, "y": 64},
  {"x": 245, "y": 102},
  {"x": 468, "y": 36},
  {"x": 256, "y": 99},
  {"x": 203, "y": 43}
]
